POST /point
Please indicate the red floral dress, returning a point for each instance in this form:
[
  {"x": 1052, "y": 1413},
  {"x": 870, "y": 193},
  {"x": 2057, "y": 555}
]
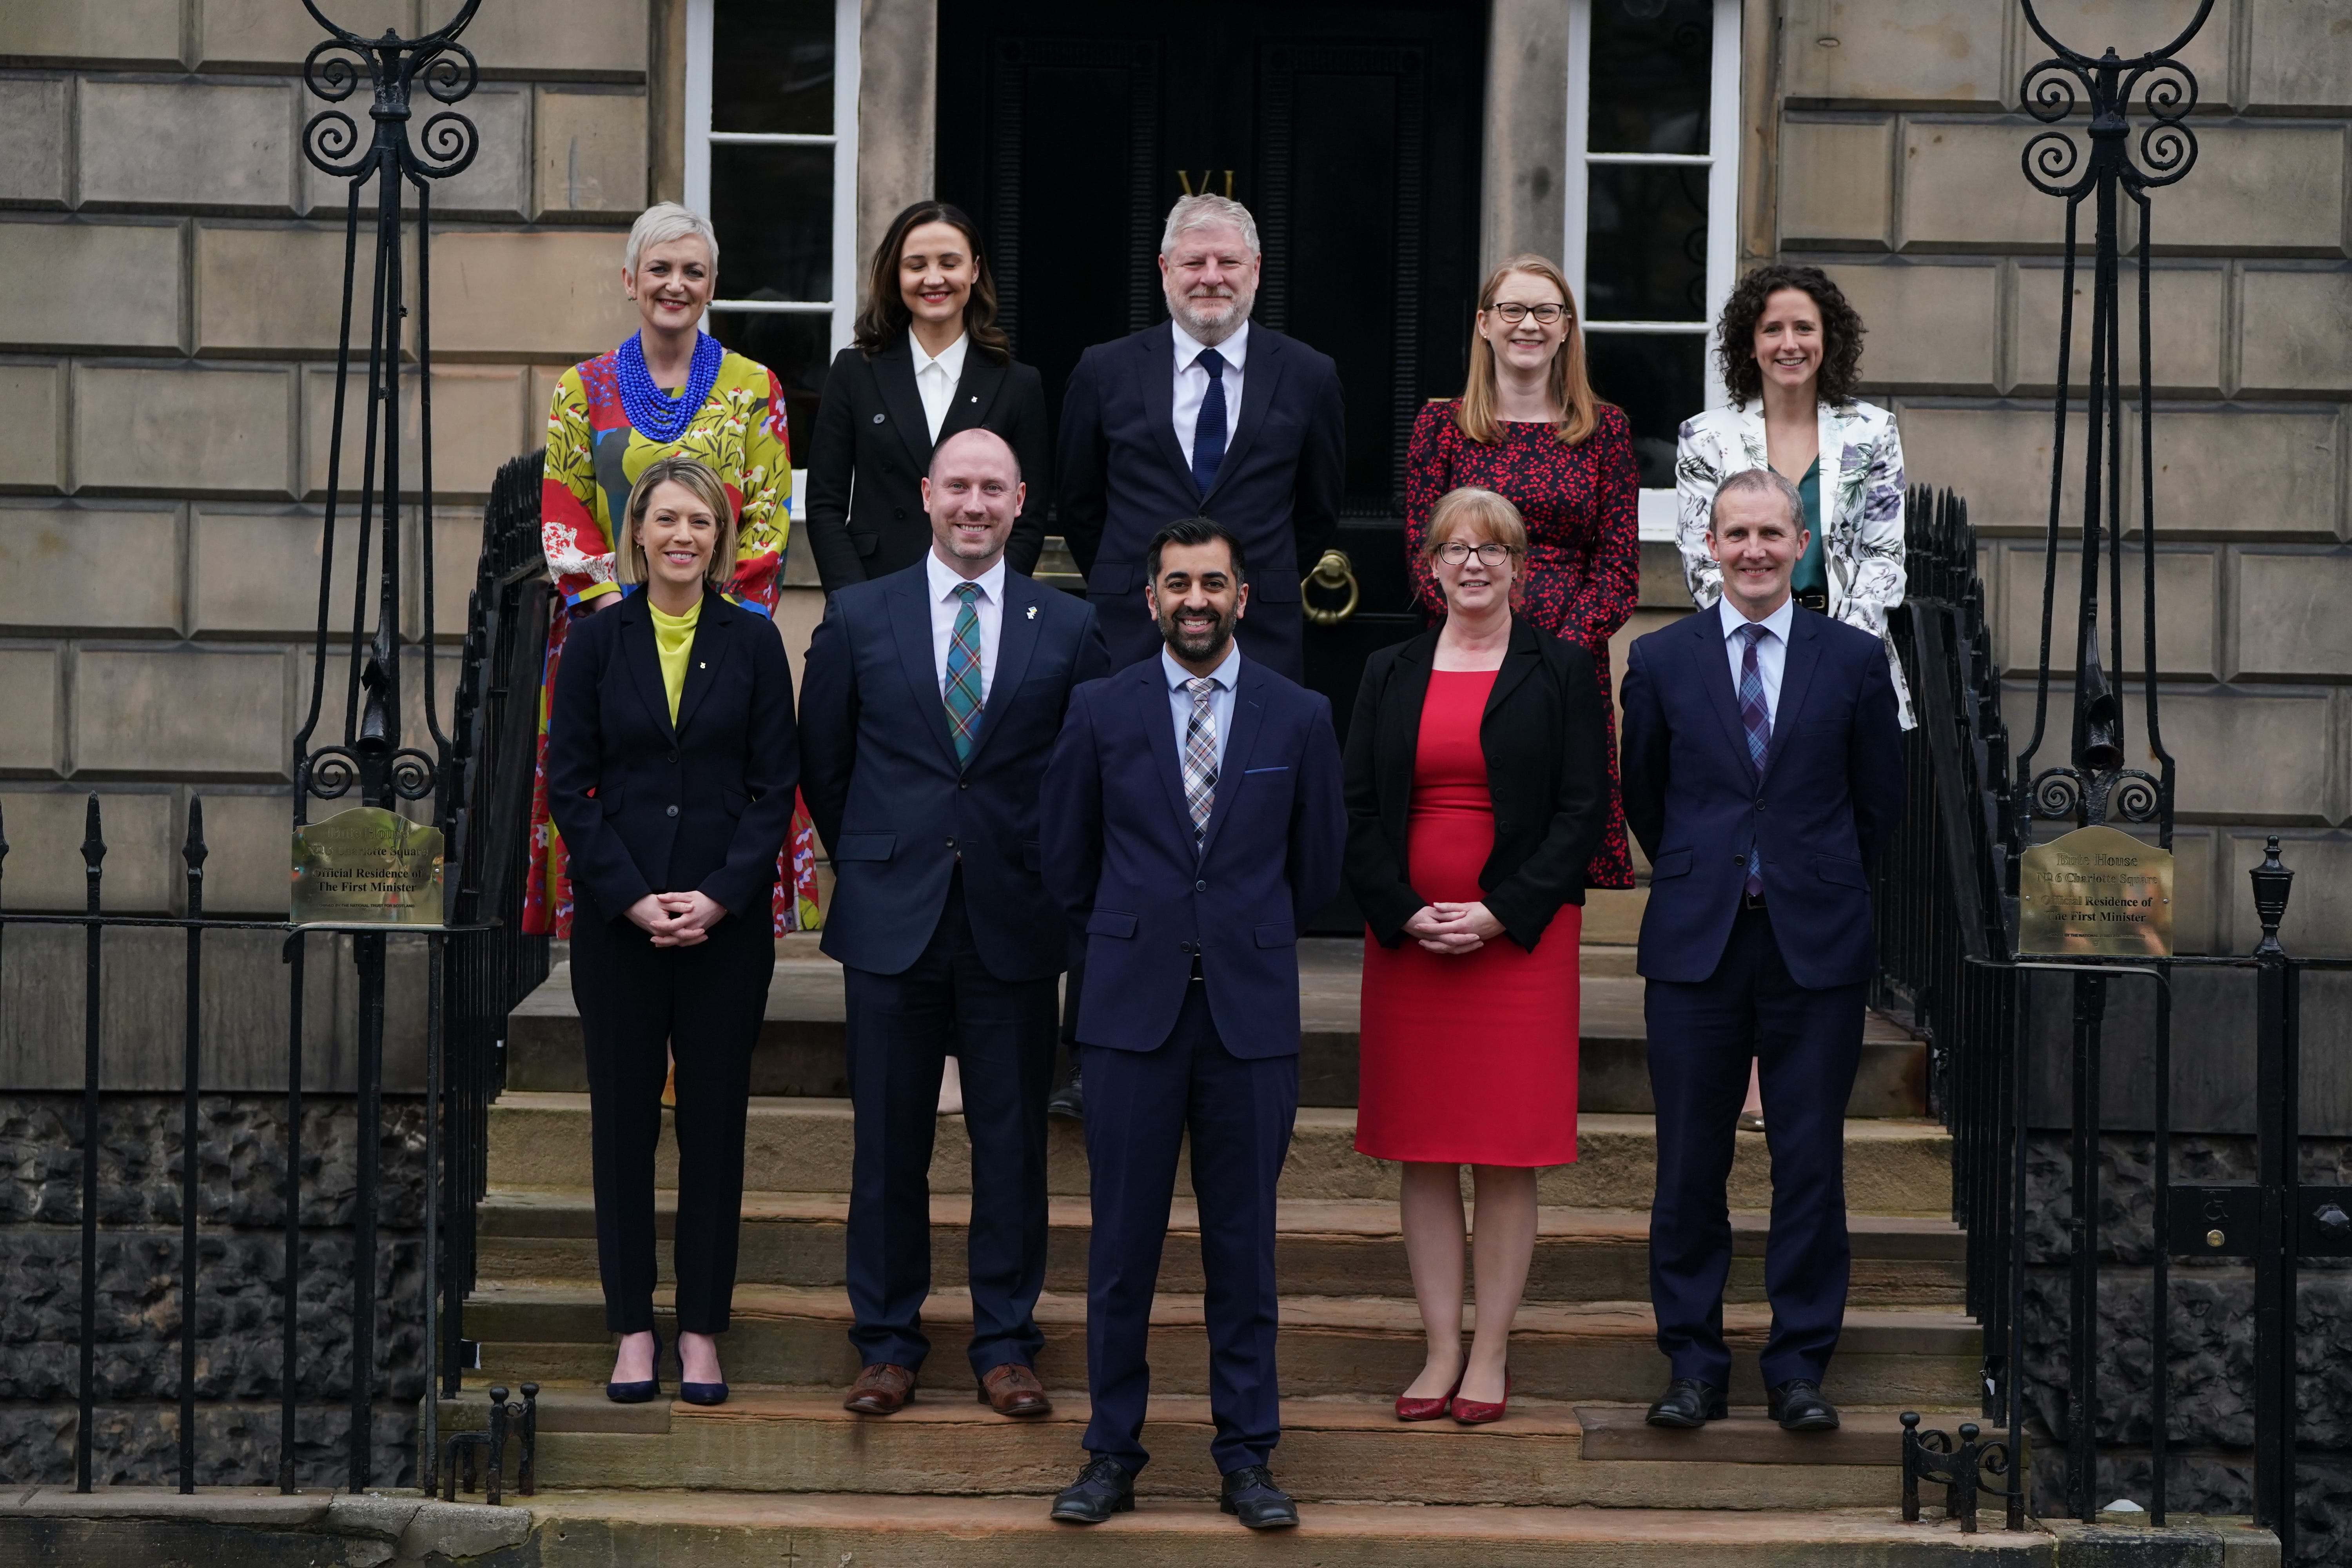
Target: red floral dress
[{"x": 1584, "y": 571}]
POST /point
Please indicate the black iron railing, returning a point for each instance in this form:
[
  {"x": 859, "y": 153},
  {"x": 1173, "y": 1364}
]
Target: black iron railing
[{"x": 480, "y": 966}]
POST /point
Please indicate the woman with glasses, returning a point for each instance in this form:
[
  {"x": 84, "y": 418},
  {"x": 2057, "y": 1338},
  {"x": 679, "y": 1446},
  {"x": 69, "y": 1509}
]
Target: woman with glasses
[
  {"x": 1529, "y": 428},
  {"x": 1478, "y": 792}
]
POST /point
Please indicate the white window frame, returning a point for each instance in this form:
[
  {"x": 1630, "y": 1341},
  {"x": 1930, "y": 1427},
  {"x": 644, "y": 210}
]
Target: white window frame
[
  {"x": 842, "y": 309},
  {"x": 1721, "y": 160}
]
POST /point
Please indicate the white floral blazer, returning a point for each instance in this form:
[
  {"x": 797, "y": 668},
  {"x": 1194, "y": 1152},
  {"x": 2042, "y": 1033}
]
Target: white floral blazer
[{"x": 1861, "y": 509}]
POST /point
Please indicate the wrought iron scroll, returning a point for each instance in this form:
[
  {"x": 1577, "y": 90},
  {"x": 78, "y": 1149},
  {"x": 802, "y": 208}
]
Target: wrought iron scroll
[
  {"x": 2099, "y": 782},
  {"x": 371, "y": 757},
  {"x": 2096, "y": 784}
]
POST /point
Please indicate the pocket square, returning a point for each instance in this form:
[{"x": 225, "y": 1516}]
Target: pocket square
[{"x": 1284, "y": 769}]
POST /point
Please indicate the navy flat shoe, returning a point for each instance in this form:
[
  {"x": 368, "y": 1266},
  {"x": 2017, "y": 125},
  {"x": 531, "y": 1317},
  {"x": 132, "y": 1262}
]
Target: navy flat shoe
[
  {"x": 702, "y": 1393},
  {"x": 648, "y": 1390}
]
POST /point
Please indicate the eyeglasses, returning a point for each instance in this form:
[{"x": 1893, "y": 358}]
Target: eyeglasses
[
  {"x": 1514, "y": 312},
  {"x": 1454, "y": 552}
]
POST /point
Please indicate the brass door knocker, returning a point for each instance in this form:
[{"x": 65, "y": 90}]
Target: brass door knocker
[{"x": 1333, "y": 573}]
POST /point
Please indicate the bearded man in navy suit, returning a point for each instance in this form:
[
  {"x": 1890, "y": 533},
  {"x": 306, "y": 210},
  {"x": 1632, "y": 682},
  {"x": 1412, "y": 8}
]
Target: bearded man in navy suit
[
  {"x": 1763, "y": 770},
  {"x": 1206, "y": 413},
  {"x": 1193, "y": 822}
]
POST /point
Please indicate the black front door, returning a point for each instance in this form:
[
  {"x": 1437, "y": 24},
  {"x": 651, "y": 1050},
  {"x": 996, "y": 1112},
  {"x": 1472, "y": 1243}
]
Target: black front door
[{"x": 1068, "y": 129}]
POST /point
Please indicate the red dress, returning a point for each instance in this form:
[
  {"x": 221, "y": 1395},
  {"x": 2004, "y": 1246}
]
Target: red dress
[
  {"x": 1466, "y": 1058},
  {"x": 1583, "y": 577}
]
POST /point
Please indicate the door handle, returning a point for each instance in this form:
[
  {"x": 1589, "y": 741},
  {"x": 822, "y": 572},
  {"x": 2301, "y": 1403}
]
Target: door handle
[{"x": 1331, "y": 573}]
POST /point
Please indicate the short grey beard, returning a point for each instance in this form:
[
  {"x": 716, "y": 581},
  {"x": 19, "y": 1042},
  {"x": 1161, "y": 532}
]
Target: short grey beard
[{"x": 1204, "y": 333}]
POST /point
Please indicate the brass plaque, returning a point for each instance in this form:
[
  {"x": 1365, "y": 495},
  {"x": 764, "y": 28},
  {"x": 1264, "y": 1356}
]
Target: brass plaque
[
  {"x": 367, "y": 866},
  {"x": 2097, "y": 890}
]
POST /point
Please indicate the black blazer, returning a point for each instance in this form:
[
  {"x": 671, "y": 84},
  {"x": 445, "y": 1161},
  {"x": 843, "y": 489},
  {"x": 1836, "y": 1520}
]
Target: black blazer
[
  {"x": 1547, "y": 745},
  {"x": 647, "y": 806},
  {"x": 873, "y": 446}
]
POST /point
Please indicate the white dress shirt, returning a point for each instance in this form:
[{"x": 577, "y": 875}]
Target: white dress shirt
[
  {"x": 1221, "y": 701},
  {"x": 1771, "y": 649},
  {"x": 1192, "y": 384},
  {"x": 989, "y": 607},
  {"x": 936, "y": 379}
]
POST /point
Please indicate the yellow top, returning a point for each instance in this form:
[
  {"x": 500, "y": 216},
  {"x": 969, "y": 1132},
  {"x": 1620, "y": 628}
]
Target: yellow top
[{"x": 673, "y": 635}]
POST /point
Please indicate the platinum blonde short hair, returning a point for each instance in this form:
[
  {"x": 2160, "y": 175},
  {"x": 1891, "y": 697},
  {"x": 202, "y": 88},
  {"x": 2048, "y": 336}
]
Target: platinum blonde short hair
[
  {"x": 1769, "y": 481},
  {"x": 1205, "y": 211},
  {"x": 663, "y": 222}
]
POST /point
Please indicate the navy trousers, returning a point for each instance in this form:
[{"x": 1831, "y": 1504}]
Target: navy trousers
[
  {"x": 901, "y": 1028},
  {"x": 1139, "y": 1105},
  {"x": 1806, "y": 1044},
  {"x": 704, "y": 1003}
]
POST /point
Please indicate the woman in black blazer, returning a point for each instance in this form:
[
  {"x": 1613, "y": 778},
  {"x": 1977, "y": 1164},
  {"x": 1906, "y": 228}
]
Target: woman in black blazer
[
  {"x": 672, "y": 764},
  {"x": 929, "y": 302},
  {"x": 1477, "y": 790}
]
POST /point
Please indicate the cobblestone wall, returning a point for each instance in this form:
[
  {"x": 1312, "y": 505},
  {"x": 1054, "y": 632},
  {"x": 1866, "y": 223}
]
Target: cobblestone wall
[
  {"x": 241, "y": 1154},
  {"x": 2209, "y": 1360}
]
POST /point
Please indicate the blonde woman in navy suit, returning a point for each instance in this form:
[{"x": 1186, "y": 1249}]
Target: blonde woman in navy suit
[{"x": 672, "y": 763}]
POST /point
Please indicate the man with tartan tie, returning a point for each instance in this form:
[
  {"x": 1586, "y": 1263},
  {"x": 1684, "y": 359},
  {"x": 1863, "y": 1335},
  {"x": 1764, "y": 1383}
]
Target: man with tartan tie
[
  {"x": 1762, "y": 771},
  {"x": 931, "y": 702}
]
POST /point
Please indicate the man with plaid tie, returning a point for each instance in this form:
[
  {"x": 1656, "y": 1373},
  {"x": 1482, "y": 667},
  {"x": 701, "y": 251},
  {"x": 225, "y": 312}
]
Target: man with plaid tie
[
  {"x": 1193, "y": 822},
  {"x": 1762, "y": 770},
  {"x": 932, "y": 699}
]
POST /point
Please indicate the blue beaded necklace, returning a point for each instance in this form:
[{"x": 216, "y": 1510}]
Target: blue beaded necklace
[{"x": 652, "y": 412}]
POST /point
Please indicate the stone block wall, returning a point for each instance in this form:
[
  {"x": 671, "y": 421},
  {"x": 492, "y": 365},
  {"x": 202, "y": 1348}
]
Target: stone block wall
[
  {"x": 241, "y": 1164},
  {"x": 167, "y": 389},
  {"x": 1896, "y": 169}
]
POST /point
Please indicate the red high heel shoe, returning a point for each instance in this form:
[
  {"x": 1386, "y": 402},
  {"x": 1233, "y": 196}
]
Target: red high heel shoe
[
  {"x": 1410, "y": 1409},
  {"x": 1477, "y": 1412}
]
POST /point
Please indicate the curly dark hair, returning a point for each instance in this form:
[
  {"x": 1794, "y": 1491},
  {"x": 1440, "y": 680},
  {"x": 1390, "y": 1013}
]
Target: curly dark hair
[{"x": 1842, "y": 330}]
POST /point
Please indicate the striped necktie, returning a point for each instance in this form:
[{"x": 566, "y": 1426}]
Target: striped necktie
[
  {"x": 963, "y": 673},
  {"x": 1755, "y": 714},
  {"x": 1200, "y": 757}
]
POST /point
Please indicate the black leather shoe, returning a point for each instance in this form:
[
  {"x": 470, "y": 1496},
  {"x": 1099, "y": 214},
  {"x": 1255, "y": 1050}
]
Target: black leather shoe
[
  {"x": 1102, "y": 1489},
  {"x": 1069, "y": 1101},
  {"x": 1798, "y": 1406},
  {"x": 1688, "y": 1403},
  {"x": 1250, "y": 1496}
]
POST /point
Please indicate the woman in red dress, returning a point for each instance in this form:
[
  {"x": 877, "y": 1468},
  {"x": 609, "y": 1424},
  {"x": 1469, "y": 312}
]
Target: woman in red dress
[
  {"x": 1478, "y": 792},
  {"x": 1529, "y": 428}
]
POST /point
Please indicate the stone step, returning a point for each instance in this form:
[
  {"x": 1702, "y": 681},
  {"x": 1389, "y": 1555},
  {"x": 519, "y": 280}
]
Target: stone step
[
  {"x": 801, "y": 1050},
  {"x": 1323, "y": 1248},
  {"x": 946, "y": 1443},
  {"x": 741, "y": 1530},
  {"x": 803, "y": 1145},
  {"x": 1366, "y": 1347}
]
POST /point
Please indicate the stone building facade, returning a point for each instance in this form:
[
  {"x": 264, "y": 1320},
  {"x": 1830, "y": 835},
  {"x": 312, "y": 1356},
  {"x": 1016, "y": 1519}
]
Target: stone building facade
[{"x": 164, "y": 390}]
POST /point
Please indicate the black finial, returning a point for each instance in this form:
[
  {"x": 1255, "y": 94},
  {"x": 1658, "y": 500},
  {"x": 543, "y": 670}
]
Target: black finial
[{"x": 2272, "y": 881}]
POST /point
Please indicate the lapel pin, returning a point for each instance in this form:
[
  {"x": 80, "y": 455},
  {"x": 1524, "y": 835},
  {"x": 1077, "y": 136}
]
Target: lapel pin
[
  {"x": 877, "y": 419},
  {"x": 1033, "y": 612},
  {"x": 699, "y": 664}
]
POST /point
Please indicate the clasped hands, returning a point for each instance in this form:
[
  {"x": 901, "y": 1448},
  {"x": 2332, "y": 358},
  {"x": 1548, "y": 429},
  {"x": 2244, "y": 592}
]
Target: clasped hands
[
  {"x": 1451, "y": 929},
  {"x": 677, "y": 920}
]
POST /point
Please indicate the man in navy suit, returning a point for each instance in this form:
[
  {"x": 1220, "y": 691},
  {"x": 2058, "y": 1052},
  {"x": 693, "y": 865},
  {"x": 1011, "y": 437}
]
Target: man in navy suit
[
  {"x": 1762, "y": 770},
  {"x": 1209, "y": 414},
  {"x": 931, "y": 699},
  {"x": 1194, "y": 821}
]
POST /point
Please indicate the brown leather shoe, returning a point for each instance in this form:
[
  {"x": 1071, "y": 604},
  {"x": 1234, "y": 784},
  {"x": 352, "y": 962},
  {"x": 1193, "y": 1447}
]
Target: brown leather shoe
[
  {"x": 1014, "y": 1390},
  {"x": 880, "y": 1390}
]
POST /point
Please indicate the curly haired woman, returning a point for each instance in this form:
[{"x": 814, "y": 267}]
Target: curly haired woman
[{"x": 1790, "y": 351}]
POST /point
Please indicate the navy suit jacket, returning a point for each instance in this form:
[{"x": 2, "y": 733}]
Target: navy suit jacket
[
  {"x": 1119, "y": 854},
  {"x": 647, "y": 805},
  {"x": 1829, "y": 796},
  {"x": 899, "y": 812},
  {"x": 1122, "y": 475}
]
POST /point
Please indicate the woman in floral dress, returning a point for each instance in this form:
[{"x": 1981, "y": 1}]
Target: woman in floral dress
[
  {"x": 668, "y": 391},
  {"x": 1529, "y": 428}
]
